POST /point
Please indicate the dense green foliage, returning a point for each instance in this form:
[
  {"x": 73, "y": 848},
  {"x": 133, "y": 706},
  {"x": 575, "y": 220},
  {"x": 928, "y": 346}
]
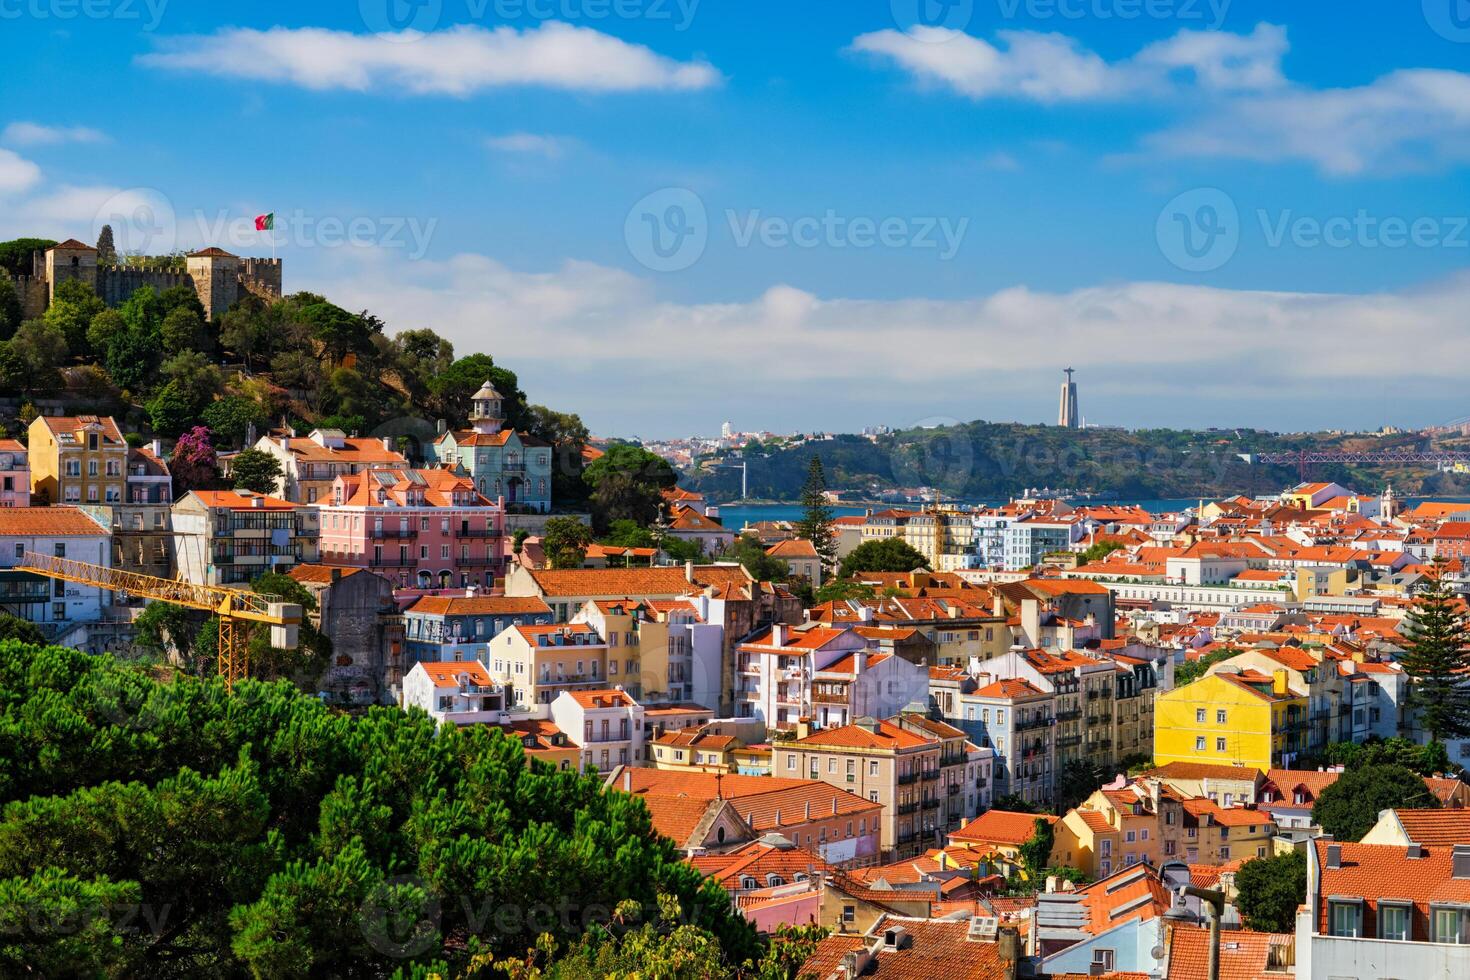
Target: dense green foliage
[
  {"x": 883, "y": 555},
  {"x": 257, "y": 470},
  {"x": 748, "y": 551},
  {"x": 1437, "y": 657},
  {"x": 15, "y": 628},
  {"x": 1428, "y": 759},
  {"x": 627, "y": 483},
  {"x": 1270, "y": 889},
  {"x": 1349, "y": 807},
  {"x": 565, "y": 542},
  {"x": 170, "y": 829}
]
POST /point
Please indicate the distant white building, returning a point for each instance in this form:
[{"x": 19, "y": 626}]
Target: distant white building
[
  {"x": 606, "y": 724},
  {"x": 454, "y": 692},
  {"x": 64, "y": 532}
]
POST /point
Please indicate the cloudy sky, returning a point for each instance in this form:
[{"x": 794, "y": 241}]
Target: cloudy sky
[{"x": 819, "y": 214}]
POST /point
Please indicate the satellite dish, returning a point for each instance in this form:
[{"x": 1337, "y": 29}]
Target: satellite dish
[{"x": 1157, "y": 952}]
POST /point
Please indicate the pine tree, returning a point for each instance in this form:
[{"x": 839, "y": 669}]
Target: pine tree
[
  {"x": 816, "y": 520},
  {"x": 106, "y": 250},
  {"x": 1438, "y": 658}
]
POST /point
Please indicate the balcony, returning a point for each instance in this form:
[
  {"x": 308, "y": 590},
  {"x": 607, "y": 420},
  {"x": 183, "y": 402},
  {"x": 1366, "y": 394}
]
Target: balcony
[
  {"x": 952, "y": 788},
  {"x": 1070, "y": 715},
  {"x": 393, "y": 562},
  {"x": 477, "y": 532},
  {"x": 820, "y": 698},
  {"x": 952, "y": 759},
  {"x": 513, "y": 467},
  {"x": 932, "y": 803},
  {"x": 477, "y": 561},
  {"x": 903, "y": 809},
  {"x": 907, "y": 778},
  {"x": 392, "y": 533}
]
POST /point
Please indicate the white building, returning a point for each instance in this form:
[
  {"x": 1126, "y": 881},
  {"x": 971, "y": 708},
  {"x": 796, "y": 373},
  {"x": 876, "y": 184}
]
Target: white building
[
  {"x": 606, "y": 724},
  {"x": 454, "y": 692},
  {"x": 64, "y": 532},
  {"x": 1379, "y": 911}
]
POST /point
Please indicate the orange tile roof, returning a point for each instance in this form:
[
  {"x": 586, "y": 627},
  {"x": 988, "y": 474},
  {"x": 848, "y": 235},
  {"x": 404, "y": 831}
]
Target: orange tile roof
[
  {"x": 241, "y": 500},
  {"x": 605, "y": 698},
  {"x": 480, "y": 605},
  {"x": 612, "y": 582},
  {"x": 939, "y": 949},
  {"x": 47, "y": 521},
  {"x": 793, "y": 548},
  {"x": 1001, "y": 827},
  {"x": 1135, "y": 892},
  {"x": 888, "y": 736},
  {"x": 59, "y": 424},
  {"x": 353, "y": 450},
  {"x": 1010, "y": 688},
  {"x": 448, "y": 673},
  {"x": 1434, "y": 828},
  {"x": 1205, "y": 770},
  {"x": 1385, "y": 871},
  {"x": 1243, "y": 955},
  {"x": 322, "y": 574}
]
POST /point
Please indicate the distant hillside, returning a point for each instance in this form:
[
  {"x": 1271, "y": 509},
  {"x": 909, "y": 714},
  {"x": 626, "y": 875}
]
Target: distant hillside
[{"x": 981, "y": 460}]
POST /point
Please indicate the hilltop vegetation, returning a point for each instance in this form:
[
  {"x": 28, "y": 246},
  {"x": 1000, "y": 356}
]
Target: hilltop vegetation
[
  {"x": 169, "y": 829},
  {"x": 160, "y": 368},
  {"x": 983, "y": 460}
]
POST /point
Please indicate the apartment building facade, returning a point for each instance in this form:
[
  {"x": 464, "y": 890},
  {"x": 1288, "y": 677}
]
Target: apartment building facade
[
  {"x": 230, "y": 537},
  {"x": 538, "y": 663},
  {"x": 77, "y": 459}
]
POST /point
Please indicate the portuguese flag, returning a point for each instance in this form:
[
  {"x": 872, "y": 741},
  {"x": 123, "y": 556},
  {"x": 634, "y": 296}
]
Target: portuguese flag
[{"x": 265, "y": 222}]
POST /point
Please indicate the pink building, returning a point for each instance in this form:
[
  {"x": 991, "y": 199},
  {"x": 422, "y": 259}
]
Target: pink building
[
  {"x": 15, "y": 475},
  {"x": 417, "y": 528}
]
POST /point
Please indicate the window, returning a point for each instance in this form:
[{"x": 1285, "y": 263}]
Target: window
[
  {"x": 1130, "y": 837},
  {"x": 1220, "y": 716},
  {"x": 1199, "y": 744},
  {"x": 849, "y": 913},
  {"x": 873, "y": 766},
  {"x": 1102, "y": 961},
  {"x": 1451, "y": 925},
  {"x": 1345, "y": 918},
  {"x": 1199, "y": 716},
  {"x": 791, "y": 763},
  {"x": 1220, "y": 745},
  {"x": 1393, "y": 921}
]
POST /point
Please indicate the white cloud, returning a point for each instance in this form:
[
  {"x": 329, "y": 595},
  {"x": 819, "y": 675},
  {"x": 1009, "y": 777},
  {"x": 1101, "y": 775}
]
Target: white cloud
[
  {"x": 530, "y": 144},
  {"x": 16, "y": 173},
  {"x": 1055, "y": 68},
  {"x": 1240, "y": 104},
  {"x": 459, "y": 61},
  {"x": 1409, "y": 120},
  {"x": 1041, "y": 67},
  {"x": 36, "y": 134},
  {"x": 994, "y": 345}
]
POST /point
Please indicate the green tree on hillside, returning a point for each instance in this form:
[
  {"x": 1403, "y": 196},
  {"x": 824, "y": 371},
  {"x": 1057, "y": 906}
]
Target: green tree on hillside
[
  {"x": 628, "y": 483},
  {"x": 883, "y": 555},
  {"x": 257, "y": 470},
  {"x": 15, "y": 628},
  {"x": 231, "y": 417},
  {"x": 11, "y": 312},
  {"x": 17, "y": 255},
  {"x": 106, "y": 247},
  {"x": 751, "y": 554},
  {"x": 1349, "y": 807},
  {"x": 816, "y": 516},
  {"x": 565, "y": 542},
  {"x": 1269, "y": 889},
  {"x": 1437, "y": 657}
]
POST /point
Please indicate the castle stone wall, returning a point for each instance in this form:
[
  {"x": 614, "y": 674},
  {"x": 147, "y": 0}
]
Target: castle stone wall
[{"x": 116, "y": 283}]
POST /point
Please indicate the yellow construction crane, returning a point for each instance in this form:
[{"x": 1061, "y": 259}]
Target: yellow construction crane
[{"x": 237, "y": 609}]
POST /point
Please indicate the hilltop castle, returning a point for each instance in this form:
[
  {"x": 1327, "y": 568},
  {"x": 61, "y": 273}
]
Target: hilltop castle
[{"x": 217, "y": 277}]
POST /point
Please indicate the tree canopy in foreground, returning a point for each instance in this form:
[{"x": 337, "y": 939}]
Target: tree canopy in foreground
[{"x": 166, "y": 828}]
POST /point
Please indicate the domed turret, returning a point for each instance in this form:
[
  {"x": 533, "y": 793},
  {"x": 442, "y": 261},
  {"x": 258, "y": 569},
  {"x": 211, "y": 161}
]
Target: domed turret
[{"x": 487, "y": 413}]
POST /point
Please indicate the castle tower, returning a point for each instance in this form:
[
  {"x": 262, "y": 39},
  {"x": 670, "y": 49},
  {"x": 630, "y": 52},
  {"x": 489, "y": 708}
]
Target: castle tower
[
  {"x": 1067, "y": 416},
  {"x": 216, "y": 275},
  {"x": 70, "y": 259},
  {"x": 487, "y": 411}
]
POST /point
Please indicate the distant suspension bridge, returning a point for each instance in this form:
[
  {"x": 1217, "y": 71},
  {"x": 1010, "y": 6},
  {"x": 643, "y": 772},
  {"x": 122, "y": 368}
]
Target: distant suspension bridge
[{"x": 1389, "y": 457}]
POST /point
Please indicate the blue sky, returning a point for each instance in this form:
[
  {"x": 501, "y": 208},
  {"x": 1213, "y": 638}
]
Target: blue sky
[{"x": 864, "y": 219}]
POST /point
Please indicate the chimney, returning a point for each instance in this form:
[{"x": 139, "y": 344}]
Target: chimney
[
  {"x": 388, "y": 443},
  {"x": 1334, "y": 857},
  {"x": 807, "y": 817},
  {"x": 834, "y": 806},
  {"x": 689, "y": 571},
  {"x": 997, "y": 605},
  {"x": 336, "y": 575},
  {"x": 156, "y": 447},
  {"x": 1278, "y": 681},
  {"x": 778, "y": 634},
  {"x": 627, "y": 780},
  {"x": 442, "y": 427}
]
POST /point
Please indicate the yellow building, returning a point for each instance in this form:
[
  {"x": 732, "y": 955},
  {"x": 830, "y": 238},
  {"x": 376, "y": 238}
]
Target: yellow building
[
  {"x": 1243, "y": 718},
  {"x": 695, "y": 750},
  {"x": 536, "y": 663},
  {"x": 79, "y": 459}
]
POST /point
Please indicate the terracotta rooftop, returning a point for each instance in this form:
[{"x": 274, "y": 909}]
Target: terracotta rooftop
[
  {"x": 1001, "y": 827},
  {"x": 46, "y": 521}
]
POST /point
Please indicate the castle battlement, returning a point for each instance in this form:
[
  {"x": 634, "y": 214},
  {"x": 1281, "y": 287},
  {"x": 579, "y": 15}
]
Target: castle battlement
[{"x": 218, "y": 278}]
